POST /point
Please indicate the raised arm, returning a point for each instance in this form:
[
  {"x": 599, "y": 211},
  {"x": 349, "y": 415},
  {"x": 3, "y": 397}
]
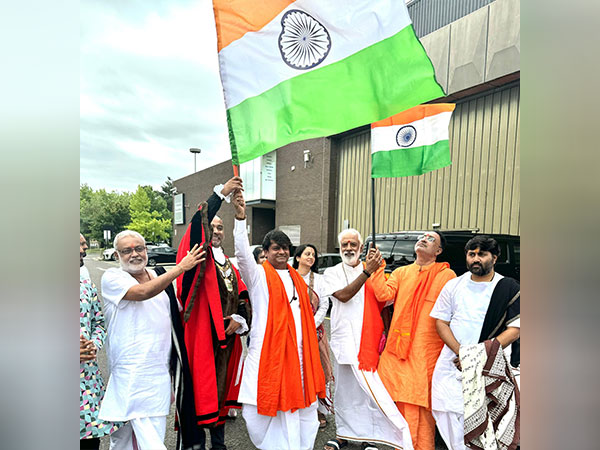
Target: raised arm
[
  {"x": 222, "y": 192},
  {"x": 145, "y": 291},
  {"x": 385, "y": 290},
  {"x": 248, "y": 268},
  {"x": 372, "y": 263}
]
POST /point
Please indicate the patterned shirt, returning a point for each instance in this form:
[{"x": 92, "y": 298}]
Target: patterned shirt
[{"x": 91, "y": 324}]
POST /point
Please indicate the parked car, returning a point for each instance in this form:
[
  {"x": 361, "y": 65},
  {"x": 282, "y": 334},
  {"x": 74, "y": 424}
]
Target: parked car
[
  {"x": 109, "y": 254},
  {"x": 161, "y": 254},
  {"x": 328, "y": 260},
  {"x": 398, "y": 250}
]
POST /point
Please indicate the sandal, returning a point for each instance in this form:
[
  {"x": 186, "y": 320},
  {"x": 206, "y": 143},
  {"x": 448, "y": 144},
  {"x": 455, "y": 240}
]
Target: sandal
[
  {"x": 322, "y": 421},
  {"x": 335, "y": 444},
  {"x": 368, "y": 446}
]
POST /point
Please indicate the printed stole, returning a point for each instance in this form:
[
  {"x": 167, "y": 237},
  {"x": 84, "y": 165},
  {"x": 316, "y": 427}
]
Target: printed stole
[{"x": 279, "y": 380}]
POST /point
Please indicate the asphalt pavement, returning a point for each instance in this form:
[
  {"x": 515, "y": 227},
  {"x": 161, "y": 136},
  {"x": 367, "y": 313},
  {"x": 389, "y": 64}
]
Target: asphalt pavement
[{"x": 236, "y": 435}]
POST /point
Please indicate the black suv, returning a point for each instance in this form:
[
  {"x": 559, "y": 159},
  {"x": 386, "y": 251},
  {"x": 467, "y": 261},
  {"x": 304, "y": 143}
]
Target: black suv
[{"x": 398, "y": 249}]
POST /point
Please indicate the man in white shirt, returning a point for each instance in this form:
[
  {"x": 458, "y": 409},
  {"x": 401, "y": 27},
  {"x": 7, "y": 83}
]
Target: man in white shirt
[
  {"x": 139, "y": 344},
  {"x": 282, "y": 375},
  {"x": 364, "y": 410},
  {"x": 477, "y": 306}
]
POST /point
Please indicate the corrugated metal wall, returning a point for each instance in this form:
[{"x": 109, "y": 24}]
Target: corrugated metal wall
[
  {"x": 430, "y": 15},
  {"x": 479, "y": 190}
]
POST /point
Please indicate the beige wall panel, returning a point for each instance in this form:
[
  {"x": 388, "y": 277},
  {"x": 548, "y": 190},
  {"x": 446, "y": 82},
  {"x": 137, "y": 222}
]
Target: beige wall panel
[
  {"x": 477, "y": 150},
  {"x": 468, "y": 51},
  {"x": 437, "y": 46},
  {"x": 479, "y": 190},
  {"x": 504, "y": 45}
]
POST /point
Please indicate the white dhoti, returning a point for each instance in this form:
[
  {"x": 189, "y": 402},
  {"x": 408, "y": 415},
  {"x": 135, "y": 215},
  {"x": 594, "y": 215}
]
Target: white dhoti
[
  {"x": 364, "y": 410},
  {"x": 286, "y": 431},
  {"x": 149, "y": 434},
  {"x": 451, "y": 428}
]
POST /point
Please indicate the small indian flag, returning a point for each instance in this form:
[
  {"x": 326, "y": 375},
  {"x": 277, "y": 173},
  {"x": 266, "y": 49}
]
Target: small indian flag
[
  {"x": 413, "y": 142},
  {"x": 294, "y": 70}
]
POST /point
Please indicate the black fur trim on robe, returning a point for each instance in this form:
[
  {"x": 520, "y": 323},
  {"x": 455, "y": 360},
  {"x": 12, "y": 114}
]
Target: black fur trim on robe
[
  {"x": 188, "y": 435},
  {"x": 505, "y": 306}
]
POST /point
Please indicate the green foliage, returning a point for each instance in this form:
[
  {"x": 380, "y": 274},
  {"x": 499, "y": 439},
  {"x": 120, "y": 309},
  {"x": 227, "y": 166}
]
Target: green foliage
[
  {"x": 145, "y": 211},
  {"x": 145, "y": 219}
]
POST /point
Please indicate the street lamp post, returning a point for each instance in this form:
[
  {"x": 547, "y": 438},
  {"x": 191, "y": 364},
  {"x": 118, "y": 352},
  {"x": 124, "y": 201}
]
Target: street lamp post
[{"x": 195, "y": 151}]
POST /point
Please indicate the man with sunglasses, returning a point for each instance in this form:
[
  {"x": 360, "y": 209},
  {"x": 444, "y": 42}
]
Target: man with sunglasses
[
  {"x": 137, "y": 312},
  {"x": 413, "y": 345}
]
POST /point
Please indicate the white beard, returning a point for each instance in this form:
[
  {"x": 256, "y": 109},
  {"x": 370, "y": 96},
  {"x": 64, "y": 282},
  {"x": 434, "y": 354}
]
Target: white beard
[
  {"x": 136, "y": 267},
  {"x": 350, "y": 258}
]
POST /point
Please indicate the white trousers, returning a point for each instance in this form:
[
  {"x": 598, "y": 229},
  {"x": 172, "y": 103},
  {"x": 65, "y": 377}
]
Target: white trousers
[
  {"x": 365, "y": 411},
  {"x": 149, "y": 434},
  {"x": 286, "y": 431},
  {"x": 451, "y": 428}
]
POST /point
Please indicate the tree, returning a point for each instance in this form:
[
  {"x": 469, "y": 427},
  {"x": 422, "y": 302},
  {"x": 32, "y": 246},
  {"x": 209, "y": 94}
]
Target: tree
[
  {"x": 166, "y": 191},
  {"x": 100, "y": 210},
  {"x": 147, "y": 221}
]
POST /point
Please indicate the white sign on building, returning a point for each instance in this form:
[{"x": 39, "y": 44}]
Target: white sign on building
[
  {"x": 178, "y": 210},
  {"x": 259, "y": 177}
]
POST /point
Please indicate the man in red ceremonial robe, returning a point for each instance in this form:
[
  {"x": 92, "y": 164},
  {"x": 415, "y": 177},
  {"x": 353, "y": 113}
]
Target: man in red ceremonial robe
[{"x": 211, "y": 304}]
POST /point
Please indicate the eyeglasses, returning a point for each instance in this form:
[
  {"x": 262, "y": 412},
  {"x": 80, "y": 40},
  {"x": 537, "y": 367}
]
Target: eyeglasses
[
  {"x": 129, "y": 250},
  {"x": 428, "y": 237}
]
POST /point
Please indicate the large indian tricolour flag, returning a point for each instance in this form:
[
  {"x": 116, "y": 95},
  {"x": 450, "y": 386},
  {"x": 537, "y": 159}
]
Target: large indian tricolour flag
[
  {"x": 293, "y": 70},
  {"x": 412, "y": 142}
]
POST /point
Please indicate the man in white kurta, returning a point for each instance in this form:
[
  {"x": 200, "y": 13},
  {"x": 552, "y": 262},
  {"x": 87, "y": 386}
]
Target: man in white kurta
[
  {"x": 287, "y": 430},
  {"x": 463, "y": 304},
  {"x": 364, "y": 410},
  {"x": 138, "y": 344}
]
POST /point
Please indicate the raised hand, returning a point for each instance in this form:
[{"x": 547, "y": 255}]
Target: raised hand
[
  {"x": 233, "y": 184},
  {"x": 194, "y": 257},
  {"x": 239, "y": 204},
  {"x": 373, "y": 260}
]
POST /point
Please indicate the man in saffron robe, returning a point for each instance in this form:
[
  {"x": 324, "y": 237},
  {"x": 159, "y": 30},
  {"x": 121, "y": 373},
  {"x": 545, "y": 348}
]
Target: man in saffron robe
[
  {"x": 413, "y": 345},
  {"x": 282, "y": 375},
  {"x": 206, "y": 361},
  {"x": 479, "y": 306},
  {"x": 364, "y": 410}
]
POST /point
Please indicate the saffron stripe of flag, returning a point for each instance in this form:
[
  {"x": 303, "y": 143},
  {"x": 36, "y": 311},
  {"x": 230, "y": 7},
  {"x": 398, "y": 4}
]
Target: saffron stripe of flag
[
  {"x": 412, "y": 142},
  {"x": 312, "y": 68}
]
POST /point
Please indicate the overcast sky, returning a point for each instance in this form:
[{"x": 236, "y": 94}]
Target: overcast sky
[{"x": 150, "y": 90}]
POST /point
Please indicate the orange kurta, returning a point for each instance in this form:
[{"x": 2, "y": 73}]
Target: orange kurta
[{"x": 409, "y": 380}]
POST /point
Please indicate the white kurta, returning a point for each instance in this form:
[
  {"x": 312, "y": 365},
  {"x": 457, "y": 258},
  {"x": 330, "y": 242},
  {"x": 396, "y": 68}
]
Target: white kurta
[
  {"x": 287, "y": 430},
  {"x": 464, "y": 303},
  {"x": 138, "y": 346},
  {"x": 364, "y": 410}
]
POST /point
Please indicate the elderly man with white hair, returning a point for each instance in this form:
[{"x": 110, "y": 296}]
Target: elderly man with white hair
[
  {"x": 139, "y": 343},
  {"x": 364, "y": 411}
]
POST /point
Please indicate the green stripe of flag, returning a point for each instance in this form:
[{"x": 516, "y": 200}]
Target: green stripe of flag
[
  {"x": 377, "y": 82},
  {"x": 406, "y": 162}
]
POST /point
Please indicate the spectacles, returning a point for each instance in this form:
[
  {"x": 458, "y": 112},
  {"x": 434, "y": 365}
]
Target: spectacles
[
  {"x": 129, "y": 250},
  {"x": 428, "y": 237}
]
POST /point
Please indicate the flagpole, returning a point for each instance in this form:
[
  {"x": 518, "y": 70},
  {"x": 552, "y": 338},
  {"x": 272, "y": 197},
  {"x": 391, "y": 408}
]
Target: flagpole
[
  {"x": 373, "y": 208},
  {"x": 236, "y": 170}
]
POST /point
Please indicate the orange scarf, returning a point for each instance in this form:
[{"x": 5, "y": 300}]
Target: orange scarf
[
  {"x": 372, "y": 330},
  {"x": 279, "y": 380},
  {"x": 408, "y": 316}
]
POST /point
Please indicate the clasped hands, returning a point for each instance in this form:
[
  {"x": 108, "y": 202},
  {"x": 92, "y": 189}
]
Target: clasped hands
[{"x": 87, "y": 350}]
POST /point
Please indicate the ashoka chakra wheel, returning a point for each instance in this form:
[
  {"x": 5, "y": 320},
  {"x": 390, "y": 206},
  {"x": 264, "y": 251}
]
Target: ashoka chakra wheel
[
  {"x": 406, "y": 136},
  {"x": 304, "y": 43}
]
